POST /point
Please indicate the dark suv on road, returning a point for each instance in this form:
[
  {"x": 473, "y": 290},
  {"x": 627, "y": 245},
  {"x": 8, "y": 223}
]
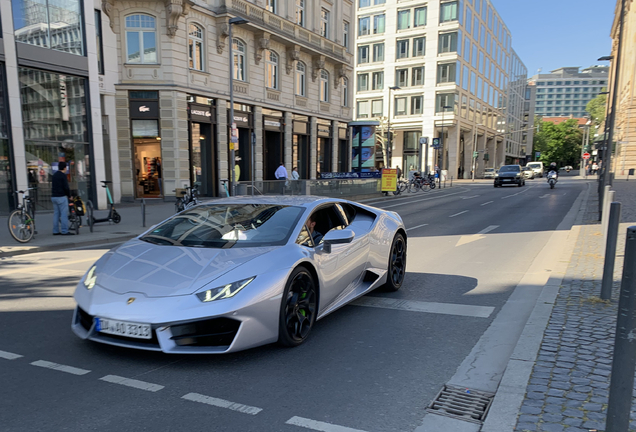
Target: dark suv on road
[{"x": 510, "y": 174}]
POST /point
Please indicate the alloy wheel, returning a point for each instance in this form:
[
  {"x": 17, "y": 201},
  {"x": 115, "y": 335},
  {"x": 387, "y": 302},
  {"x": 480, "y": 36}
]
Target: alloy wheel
[{"x": 300, "y": 306}]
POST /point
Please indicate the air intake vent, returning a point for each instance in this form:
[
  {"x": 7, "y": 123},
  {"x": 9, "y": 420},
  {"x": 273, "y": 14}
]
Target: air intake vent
[{"x": 462, "y": 403}]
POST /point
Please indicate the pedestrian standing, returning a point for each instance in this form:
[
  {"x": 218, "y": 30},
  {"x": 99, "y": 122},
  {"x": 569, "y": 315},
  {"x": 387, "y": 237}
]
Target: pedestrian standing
[
  {"x": 594, "y": 168},
  {"x": 399, "y": 172},
  {"x": 295, "y": 176},
  {"x": 60, "y": 193},
  {"x": 281, "y": 174}
]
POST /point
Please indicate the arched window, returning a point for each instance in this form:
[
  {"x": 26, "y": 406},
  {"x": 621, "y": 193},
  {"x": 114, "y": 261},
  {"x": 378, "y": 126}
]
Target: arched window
[
  {"x": 300, "y": 79},
  {"x": 271, "y": 75},
  {"x": 141, "y": 39},
  {"x": 239, "y": 50},
  {"x": 345, "y": 92},
  {"x": 195, "y": 46},
  {"x": 324, "y": 86}
]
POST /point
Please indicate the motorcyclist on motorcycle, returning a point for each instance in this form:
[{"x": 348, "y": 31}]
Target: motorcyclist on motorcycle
[{"x": 553, "y": 167}]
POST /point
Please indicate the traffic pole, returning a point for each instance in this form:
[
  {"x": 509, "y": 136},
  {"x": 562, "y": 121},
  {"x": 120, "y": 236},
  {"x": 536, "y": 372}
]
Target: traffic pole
[{"x": 614, "y": 218}]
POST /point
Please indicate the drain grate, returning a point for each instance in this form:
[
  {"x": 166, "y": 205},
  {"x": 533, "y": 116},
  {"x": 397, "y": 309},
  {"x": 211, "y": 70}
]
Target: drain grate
[{"x": 462, "y": 403}]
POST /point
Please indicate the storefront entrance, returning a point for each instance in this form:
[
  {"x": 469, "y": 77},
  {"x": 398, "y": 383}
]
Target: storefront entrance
[
  {"x": 147, "y": 157},
  {"x": 324, "y": 147},
  {"x": 300, "y": 147},
  {"x": 273, "y": 146},
  {"x": 203, "y": 169},
  {"x": 243, "y": 156}
]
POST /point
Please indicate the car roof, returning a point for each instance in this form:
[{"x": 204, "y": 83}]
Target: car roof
[{"x": 307, "y": 201}]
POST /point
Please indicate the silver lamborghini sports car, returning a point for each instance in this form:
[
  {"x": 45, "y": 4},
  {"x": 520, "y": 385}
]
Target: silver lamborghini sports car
[{"x": 236, "y": 273}]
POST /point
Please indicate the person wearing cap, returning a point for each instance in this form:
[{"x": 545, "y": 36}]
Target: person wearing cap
[
  {"x": 60, "y": 193},
  {"x": 237, "y": 169}
]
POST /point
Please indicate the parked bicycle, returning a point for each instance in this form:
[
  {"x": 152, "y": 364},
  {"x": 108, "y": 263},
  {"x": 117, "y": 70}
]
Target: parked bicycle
[
  {"x": 419, "y": 183},
  {"x": 402, "y": 186},
  {"x": 75, "y": 213},
  {"x": 22, "y": 219},
  {"x": 189, "y": 199},
  {"x": 112, "y": 215}
]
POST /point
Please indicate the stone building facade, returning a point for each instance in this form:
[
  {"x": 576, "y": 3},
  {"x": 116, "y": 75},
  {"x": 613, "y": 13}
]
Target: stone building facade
[{"x": 292, "y": 68}]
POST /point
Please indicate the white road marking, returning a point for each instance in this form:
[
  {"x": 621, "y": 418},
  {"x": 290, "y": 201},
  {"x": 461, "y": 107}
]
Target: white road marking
[
  {"x": 518, "y": 193},
  {"x": 470, "y": 197},
  {"x": 486, "y": 203},
  {"x": 415, "y": 201},
  {"x": 457, "y": 214},
  {"x": 142, "y": 385},
  {"x": 488, "y": 229},
  {"x": 221, "y": 403},
  {"x": 415, "y": 227},
  {"x": 29, "y": 268},
  {"x": 61, "y": 368},
  {"x": 471, "y": 238},
  {"x": 545, "y": 196},
  {"x": 9, "y": 356},
  {"x": 318, "y": 425},
  {"x": 428, "y": 307}
]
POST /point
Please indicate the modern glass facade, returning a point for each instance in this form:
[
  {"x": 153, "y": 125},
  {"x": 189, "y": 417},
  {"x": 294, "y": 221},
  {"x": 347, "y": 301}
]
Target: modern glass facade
[{"x": 6, "y": 172}]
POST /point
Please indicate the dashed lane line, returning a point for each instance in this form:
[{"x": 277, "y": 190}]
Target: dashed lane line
[
  {"x": 60, "y": 367},
  {"x": 486, "y": 203},
  {"x": 9, "y": 356},
  {"x": 222, "y": 403},
  {"x": 318, "y": 425},
  {"x": 427, "y": 307},
  {"x": 416, "y": 227},
  {"x": 141, "y": 385},
  {"x": 457, "y": 214},
  {"x": 488, "y": 229},
  {"x": 416, "y": 201}
]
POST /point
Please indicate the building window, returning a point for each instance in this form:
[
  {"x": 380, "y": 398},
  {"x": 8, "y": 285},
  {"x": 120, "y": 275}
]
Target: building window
[
  {"x": 195, "y": 46},
  {"x": 300, "y": 12},
  {"x": 402, "y": 77},
  {"x": 444, "y": 100},
  {"x": 448, "y": 12},
  {"x": 362, "y": 108},
  {"x": 345, "y": 92},
  {"x": 446, "y": 73},
  {"x": 417, "y": 76},
  {"x": 363, "y": 54},
  {"x": 417, "y": 104},
  {"x": 345, "y": 34},
  {"x": 49, "y": 24},
  {"x": 420, "y": 17},
  {"x": 378, "y": 24},
  {"x": 324, "y": 23},
  {"x": 400, "y": 106},
  {"x": 300, "y": 79},
  {"x": 402, "y": 50},
  {"x": 239, "y": 51},
  {"x": 141, "y": 46},
  {"x": 447, "y": 42},
  {"x": 271, "y": 64},
  {"x": 363, "y": 82},
  {"x": 324, "y": 86},
  {"x": 378, "y": 52},
  {"x": 404, "y": 19},
  {"x": 100, "y": 44},
  {"x": 377, "y": 81},
  {"x": 419, "y": 46},
  {"x": 364, "y": 26},
  {"x": 377, "y": 107}
]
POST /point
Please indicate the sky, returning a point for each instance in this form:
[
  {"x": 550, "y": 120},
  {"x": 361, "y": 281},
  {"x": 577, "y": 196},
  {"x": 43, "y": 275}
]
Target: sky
[{"x": 549, "y": 34}]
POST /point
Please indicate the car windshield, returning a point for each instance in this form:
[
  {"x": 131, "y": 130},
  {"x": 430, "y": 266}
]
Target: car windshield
[
  {"x": 509, "y": 168},
  {"x": 489, "y": 170},
  {"x": 227, "y": 225},
  {"x": 531, "y": 165}
]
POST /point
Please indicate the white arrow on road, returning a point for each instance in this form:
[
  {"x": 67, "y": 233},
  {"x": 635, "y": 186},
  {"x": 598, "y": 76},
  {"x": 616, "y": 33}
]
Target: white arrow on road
[
  {"x": 545, "y": 196},
  {"x": 480, "y": 235}
]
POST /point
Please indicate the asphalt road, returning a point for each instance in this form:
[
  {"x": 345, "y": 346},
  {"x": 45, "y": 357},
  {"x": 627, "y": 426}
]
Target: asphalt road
[{"x": 374, "y": 366}]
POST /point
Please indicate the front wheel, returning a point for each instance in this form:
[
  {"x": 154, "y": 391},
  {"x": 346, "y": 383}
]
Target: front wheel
[
  {"x": 397, "y": 264},
  {"x": 551, "y": 185},
  {"x": 298, "y": 309},
  {"x": 116, "y": 216},
  {"x": 21, "y": 226}
]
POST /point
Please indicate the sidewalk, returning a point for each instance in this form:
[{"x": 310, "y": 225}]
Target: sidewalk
[{"x": 568, "y": 389}]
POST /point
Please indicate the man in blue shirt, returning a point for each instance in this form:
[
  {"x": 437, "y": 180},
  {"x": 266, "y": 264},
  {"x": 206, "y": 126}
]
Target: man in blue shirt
[
  {"x": 281, "y": 174},
  {"x": 60, "y": 193}
]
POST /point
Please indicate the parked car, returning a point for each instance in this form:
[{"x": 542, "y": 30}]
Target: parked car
[
  {"x": 490, "y": 173},
  {"x": 510, "y": 174},
  {"x": 528, "y": 172}
]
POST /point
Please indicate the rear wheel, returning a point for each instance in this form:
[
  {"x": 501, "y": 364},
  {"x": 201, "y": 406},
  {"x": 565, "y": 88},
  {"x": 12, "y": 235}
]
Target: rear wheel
[
  {"x": 397, "y": 264},
  {"x": 116, "y": 216},
  {"x": 298, "y": 309},
  {"x": 21, "y": 226}
]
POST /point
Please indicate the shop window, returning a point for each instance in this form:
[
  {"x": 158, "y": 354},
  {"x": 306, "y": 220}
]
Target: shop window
[
  {"x": 271, "y": 64},
  {"x": 324, "y": 86},
  {"x": 141, "y": 44},
  {"x": 301, "y": 79},
  {"x": 195, "y": 46},
  {"x": 239, "y": 50}
]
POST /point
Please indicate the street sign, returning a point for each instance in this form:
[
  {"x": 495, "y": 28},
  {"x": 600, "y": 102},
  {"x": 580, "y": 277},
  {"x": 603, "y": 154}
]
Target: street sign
[
  {"x": 586, "y": 155},
  {"x": 423, "y": 140},
  {"x": 537, "y": 155},
  {"x": 436, "y": 145}
]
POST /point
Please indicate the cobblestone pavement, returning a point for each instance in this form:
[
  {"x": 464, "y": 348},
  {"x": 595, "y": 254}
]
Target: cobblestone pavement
[{"x": 569, "y": 386}]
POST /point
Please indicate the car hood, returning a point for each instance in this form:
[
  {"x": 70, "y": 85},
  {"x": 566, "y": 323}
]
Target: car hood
[{"x": 163, "y": 271}]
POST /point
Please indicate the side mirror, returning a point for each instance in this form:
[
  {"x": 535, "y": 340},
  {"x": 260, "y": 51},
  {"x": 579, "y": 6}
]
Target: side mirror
[{"x": 337, "y": 237}]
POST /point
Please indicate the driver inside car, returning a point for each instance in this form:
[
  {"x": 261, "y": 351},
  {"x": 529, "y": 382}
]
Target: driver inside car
[{"x": 311, "y": 224}]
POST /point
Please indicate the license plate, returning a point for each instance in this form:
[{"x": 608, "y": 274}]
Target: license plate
[{"x": 123, "y": 328}]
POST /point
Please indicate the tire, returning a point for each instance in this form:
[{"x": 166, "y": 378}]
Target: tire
[
  {"x": 89, "y": 215},
  {"x": 116, "y": 216},
  {"x": 21, "y": 226},
  {"x": 397, "y": 264},
  {"x": 551, "y": 185},
  {"x": 298, "y": 309},
  {"x": 432, "y": 185},
  {"x": 178, "y": 206},
  {"x": 74, "y": 225},
  {"x": 519, "y": 184}
]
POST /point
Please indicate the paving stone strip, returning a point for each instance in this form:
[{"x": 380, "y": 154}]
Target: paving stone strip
[{"x": 569, "y": 385}]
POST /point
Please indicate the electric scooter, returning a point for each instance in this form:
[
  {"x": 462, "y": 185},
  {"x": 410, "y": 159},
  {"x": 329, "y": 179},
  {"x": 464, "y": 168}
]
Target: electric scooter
[{"x": 112, "y": 216}]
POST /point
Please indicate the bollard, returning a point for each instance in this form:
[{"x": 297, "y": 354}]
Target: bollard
[
  {"x": 451, "y": 181},
  {"x": 602, "y": 201},
  {"x": 613, "y": 221},
  {"x": 143, "y": 212},
  {"x": 622, "y": 380},
  {"x": 609, "y": 198}
]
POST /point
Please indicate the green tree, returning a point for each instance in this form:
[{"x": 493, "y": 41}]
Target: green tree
[
  {"x": 558, "y": 143},
  {"x": 596, "y": 108}
]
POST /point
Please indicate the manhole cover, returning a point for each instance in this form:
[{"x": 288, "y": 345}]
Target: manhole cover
[{"x": 462, "y": 403}]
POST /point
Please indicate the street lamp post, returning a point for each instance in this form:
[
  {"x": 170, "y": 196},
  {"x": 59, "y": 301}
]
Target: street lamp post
[
  {"x": 389, "y": 139},
  {"x": 586, "y": 137},
  {"x": 475, "y": 150},
  {"x": 231, "y": 21}
]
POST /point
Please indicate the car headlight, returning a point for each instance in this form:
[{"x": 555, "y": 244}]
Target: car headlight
[
  {"x": 91, "y": 278},
  {"x": 225, "y": 291}
]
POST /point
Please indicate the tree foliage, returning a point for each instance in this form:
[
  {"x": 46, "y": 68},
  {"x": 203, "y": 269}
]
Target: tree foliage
[
  {"x": 558, "y": 143},
  {"x": 596, "y": 108}
]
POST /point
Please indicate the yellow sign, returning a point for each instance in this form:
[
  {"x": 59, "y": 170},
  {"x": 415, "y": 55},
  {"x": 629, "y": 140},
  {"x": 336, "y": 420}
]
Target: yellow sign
[
  {"x": 231, "y": 146},
  {"x": 389, "y": 180}
]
